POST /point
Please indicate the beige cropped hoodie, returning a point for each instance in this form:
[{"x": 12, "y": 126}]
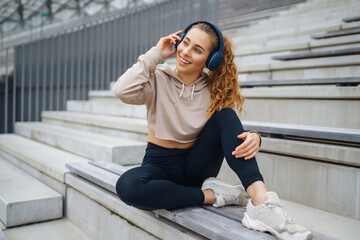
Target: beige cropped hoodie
[{"x": 175, "y": 111}]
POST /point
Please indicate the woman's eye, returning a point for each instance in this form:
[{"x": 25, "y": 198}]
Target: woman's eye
[
  {"x": 185, "y": 43},
  {"x": 197, "y": 50}
]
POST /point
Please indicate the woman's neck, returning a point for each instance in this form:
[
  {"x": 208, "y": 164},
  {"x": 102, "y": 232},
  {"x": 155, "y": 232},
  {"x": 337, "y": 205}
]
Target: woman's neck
[{"x": 187, "y": 79}]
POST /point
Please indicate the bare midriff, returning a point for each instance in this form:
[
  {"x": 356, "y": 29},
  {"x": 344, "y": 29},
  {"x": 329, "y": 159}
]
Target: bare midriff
[{"x": 167, "y": 143}]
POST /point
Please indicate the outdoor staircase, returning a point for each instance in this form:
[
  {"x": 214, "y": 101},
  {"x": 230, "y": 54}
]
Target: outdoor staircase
[{"x": 303, "y": 99}]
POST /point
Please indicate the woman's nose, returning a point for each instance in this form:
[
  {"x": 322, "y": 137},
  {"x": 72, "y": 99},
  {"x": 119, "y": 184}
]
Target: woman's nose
[{"x": 186, "y": 50}]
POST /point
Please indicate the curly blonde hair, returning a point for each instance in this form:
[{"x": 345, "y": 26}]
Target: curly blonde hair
[{"x": 223, "y": 82}]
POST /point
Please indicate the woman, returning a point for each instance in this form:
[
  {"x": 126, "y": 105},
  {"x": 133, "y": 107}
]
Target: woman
[{"x": 192, "y": 126}]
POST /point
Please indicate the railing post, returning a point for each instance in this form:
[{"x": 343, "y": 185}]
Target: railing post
[{"x": 6, "y": 91}]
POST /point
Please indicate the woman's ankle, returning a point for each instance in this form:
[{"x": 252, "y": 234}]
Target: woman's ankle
[
  {"x": 209, "y": 196},
  {"x": 256, "y": 192}
]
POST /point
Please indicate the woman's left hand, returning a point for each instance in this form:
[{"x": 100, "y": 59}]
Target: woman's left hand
[{"x": 249, "y": 148}]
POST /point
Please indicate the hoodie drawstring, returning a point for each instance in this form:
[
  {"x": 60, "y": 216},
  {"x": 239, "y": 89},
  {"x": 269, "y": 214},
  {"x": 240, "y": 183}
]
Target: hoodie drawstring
[
  {"x": 192, "y": 92},
  {"x": 182, "y": 90}
]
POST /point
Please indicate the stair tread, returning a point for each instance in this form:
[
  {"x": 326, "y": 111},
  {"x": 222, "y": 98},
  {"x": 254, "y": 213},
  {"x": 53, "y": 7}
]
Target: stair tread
[
  {"x": 107, "y": 121},
  {"x": 204, "y": 220},
  {"x": 61, "y": 229},
  {"x": 45, "y": 158},
  {"x": 97, "y": 138},
  {"x": 21, "y": 197}
]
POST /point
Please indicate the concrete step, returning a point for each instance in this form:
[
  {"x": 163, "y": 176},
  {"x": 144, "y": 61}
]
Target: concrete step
[
  {"x": 61, "y": 229},
  {"x": 352, "y": 19},
  {"x": 331, "y": 67},
  {"x": 346, "y": 227},
  {"x": 95, "y": 210},
  {"x": 129, "y": 128},
  {"x": 320, "y": 52},
  {"x": 312, "y": 17},
  {"x": 301, "y": 64},
  {"x": 40, "y": 160},
  {"x": 24, "y": 200},
  {"x": 306, "y": 17},
  {"x": 311, "y": 182},
  {"x": 339, "y": 33},
  {"x": 327, "y": 106},
  {"x": 308, "y": 11},
  {"x": 279, "y": 30},
  {"x": 94, "y": 146},
  {"x": 285, "y": 45},
  {"x": 107, "y": 106}
]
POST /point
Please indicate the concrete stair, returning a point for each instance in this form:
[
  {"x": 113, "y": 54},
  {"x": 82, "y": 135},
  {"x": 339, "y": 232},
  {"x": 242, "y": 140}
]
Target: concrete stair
[
  {"x": 327, "y": 106},
  {"x": 61, "y": 229},
  {"x": 124, "y": 127},
  {"x": 93, "y": 146},
  {"x": 40, "y": 160},
  {"x": 23, "y": 199}
]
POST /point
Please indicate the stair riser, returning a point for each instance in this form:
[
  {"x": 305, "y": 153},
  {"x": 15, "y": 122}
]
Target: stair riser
[
  {"x": 120, "y": 154},
  {"x": 264, "y": 58},
  {"x": 324, "y": 186},
  {"x": 307, "y": 73},
  {"x": 99, "y": 129},
  {"x": 326, "y": 113},
  {"x": 108, "y": 107},
  {"x": 84, "y": 210},
  {"x": 39, "y": 174},
  {"x": 28, "y": 200}
]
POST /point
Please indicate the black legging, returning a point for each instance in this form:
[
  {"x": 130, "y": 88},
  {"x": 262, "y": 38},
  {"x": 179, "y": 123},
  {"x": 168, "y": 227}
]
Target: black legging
[{"x": 172, "y": 178}]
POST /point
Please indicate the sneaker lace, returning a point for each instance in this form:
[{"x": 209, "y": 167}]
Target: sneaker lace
[{"x": 278, "y": 208}]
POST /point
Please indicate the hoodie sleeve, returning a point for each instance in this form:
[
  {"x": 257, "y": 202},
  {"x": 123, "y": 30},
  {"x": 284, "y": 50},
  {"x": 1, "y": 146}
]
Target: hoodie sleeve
[{"x": 137, "y": 82}]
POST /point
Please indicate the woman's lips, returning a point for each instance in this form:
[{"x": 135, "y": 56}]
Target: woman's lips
[{"x": 183, "y": 61}]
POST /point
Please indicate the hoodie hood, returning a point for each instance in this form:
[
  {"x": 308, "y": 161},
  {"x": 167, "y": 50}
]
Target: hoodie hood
[{"x": 198, "y": 85}]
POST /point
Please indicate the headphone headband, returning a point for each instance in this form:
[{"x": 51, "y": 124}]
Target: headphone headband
[{"x": 215, "y": 58}]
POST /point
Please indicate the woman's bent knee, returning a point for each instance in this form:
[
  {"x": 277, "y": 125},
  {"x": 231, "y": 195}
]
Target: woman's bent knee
[{"x": 127, "y": 189}]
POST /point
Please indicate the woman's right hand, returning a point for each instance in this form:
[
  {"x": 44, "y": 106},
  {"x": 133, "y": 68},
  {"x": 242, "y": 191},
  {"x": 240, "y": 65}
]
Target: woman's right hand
[{"x": 165, "y": 43}]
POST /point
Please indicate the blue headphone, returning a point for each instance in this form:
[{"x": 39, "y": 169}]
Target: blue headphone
[{"x": 215, "y": 58}]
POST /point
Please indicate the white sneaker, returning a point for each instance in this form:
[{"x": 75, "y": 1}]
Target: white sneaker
[
  {"x": 226, "y": 194},
  {"x": 271, "y": 217}
]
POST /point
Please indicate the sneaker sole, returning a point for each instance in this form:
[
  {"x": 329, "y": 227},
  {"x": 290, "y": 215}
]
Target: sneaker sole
[{"x": 261, "y": 227}]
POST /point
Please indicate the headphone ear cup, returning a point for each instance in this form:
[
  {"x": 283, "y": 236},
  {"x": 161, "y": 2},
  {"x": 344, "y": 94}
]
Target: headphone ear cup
[
  {"x": 181, "y": 35},
  {"x": 214, "y": 60}
]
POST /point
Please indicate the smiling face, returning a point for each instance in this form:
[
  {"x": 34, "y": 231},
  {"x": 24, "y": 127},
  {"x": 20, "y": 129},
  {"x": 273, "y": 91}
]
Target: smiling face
[{"x": 192, "y": 53}]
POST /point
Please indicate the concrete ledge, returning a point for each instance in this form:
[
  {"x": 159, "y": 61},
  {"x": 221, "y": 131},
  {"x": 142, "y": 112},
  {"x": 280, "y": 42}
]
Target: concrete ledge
[
  {"x": 111, "y": 106},
  {"x": 119, "y": 123},
  {"x": 89, "y": 145},
  {"x": 344, "y": 135},
  {"x": 285, "y": 45},
  {"x": 84, "y": 196},
  {"x": 42, "y": 157},
  {"x": 303, "y": 92},
  {"x": 316, "y": 151},
  {"x": 300, "y": 64},
  {"x": 53, "y": 230},
  {"x": 313, "y": 183},
  {"x": 204, "y": 220},
  {"x": 24, "y": 199}
]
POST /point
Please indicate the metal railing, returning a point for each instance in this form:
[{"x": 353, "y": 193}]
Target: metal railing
[{"x": 62, "y": 65}]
